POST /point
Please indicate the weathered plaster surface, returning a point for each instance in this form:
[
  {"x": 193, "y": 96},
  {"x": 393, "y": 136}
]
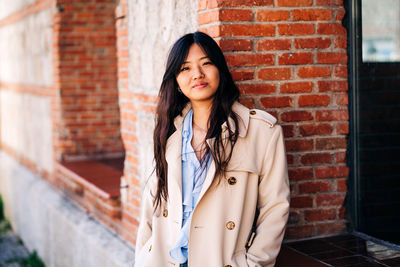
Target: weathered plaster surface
[
  {"x": 26, "y": 50},
  {"x": 153, "y": 27},
  {"x": 9, "y": 7},
  {"x": 26, "y": 126}
]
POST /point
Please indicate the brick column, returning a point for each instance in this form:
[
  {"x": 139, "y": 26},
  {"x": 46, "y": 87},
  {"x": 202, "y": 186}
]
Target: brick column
[{"x": 129, "y": 194}]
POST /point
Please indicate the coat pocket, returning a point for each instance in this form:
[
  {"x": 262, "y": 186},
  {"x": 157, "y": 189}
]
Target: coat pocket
[
  {"x": 240, "y": 258},
  {"x": 144, "y": 253}
]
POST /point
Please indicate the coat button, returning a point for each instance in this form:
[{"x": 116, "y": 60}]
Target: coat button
[
  {"x": 165, "y": 213},
  {"x": 230, "y": 225},
  {"x": 253, "y": 112},
  {"x": 232, "y": 180}
]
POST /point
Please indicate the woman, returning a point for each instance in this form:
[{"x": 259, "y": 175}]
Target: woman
[{"x": 220, "y": 195}]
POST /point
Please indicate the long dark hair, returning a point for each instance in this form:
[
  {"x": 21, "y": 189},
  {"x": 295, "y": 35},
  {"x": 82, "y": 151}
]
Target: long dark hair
[{"x": 171, "y": 103}]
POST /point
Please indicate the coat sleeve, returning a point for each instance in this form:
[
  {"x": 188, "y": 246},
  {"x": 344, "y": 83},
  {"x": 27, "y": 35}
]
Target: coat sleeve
[
  {"x": 273, "y": 204},
  {"x": 146, "y": 216}
]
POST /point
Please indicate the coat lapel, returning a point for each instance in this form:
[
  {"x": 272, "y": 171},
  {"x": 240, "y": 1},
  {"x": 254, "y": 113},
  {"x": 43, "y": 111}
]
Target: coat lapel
[
  {"x": 208, "y": 180},
  {"x": 211, "y": 172}
]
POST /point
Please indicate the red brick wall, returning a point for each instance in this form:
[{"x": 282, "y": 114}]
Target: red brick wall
[
  {"x": 87, "y": 79},
  {"x": 289, "y": 58}
]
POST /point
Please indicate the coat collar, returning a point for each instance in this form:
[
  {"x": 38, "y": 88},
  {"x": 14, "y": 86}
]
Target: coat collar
[{"x": 239, "y": 109}]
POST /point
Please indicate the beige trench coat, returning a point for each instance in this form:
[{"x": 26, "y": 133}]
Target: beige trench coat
[{"x": 223, "y": 217}]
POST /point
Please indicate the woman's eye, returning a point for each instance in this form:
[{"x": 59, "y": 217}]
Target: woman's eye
[
  {"x": 208, "y": 63},
  {"x": 184, "y": 68}
]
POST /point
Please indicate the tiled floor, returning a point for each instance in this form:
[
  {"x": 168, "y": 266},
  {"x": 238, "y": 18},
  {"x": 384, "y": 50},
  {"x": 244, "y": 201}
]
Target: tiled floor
[{"x": 344, "y": 250}]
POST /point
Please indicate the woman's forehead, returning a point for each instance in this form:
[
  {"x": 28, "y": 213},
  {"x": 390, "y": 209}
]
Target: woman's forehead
[{"x": 196, "y": 52}]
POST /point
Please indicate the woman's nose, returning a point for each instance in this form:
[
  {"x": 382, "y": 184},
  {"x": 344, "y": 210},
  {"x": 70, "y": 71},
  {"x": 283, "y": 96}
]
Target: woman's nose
[{"x": 198, "y": 73}]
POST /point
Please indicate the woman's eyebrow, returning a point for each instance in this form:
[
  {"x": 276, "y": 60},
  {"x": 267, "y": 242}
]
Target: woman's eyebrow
[{"x": 205, "y": 57}]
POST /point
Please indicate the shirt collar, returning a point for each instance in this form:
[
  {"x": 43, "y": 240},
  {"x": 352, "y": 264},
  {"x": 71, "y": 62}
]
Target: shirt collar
[{"x": 239, "y": 109}]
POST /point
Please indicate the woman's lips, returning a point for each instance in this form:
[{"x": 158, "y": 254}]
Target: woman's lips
[{"x": 199, "y": 85}]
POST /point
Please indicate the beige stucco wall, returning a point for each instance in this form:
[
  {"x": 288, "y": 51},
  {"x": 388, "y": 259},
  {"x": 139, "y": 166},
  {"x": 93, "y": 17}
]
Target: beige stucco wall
[
  {"x": 153, "y": 27},
  {"x": 7, "y": 7},
  {"x": 26, "y": 60},
  {"x": 26, "y": 50},
  {"x": 26, "y": 126}
]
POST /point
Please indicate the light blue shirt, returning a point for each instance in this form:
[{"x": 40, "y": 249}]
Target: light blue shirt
[{"x": 193, "y": 176}]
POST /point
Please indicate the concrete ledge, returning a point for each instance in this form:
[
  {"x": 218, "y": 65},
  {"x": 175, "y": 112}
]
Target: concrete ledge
[{"x": 61, "y": 233}]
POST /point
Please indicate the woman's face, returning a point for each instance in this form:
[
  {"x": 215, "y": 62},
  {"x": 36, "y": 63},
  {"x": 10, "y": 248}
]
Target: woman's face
[{"x": 198, "y": 77}]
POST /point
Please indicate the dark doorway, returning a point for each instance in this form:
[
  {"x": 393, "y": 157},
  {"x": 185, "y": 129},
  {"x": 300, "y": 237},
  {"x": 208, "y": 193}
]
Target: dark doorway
[{"x": 375, "y": 117}]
